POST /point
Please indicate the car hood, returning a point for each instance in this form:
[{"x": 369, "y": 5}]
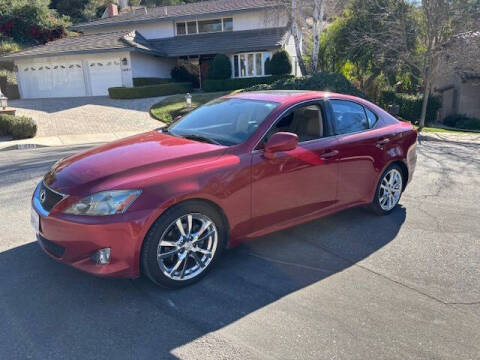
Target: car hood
[{"x": 118, "y": 163}]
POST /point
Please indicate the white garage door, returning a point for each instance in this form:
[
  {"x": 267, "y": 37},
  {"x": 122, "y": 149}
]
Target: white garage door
[
  {"x": 52, "y": 80},
  {"x": 104, "y": 74}
]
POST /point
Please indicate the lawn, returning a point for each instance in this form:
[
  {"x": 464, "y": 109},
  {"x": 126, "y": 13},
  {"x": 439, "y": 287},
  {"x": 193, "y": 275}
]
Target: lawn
[{"x": 171, "y": 107}]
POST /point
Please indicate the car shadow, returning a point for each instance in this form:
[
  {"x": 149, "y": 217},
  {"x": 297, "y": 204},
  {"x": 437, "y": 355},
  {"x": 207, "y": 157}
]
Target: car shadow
[{"x": 52, "y": 311}]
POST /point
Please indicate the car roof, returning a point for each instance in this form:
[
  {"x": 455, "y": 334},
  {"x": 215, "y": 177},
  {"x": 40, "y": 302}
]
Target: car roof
[{"x": 290, "y": 96}]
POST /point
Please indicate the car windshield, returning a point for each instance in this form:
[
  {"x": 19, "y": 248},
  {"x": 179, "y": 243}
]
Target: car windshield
[{"x": 225, "y": 121}]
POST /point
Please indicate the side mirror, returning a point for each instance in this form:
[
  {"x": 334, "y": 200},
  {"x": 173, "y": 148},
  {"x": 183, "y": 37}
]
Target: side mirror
[{"x": 281, "y": 141}]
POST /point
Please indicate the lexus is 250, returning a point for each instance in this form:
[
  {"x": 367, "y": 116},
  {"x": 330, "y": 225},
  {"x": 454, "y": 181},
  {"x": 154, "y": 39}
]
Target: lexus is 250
[{"x": 166, "y": 203}]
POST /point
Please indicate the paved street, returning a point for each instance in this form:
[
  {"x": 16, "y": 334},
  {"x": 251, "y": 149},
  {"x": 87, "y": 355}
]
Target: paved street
[
  {"x": 349, "y": 286},
  {"x": 87, "y": 115}
]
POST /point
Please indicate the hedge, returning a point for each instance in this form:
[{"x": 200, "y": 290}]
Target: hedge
[
  {"x": 320, "y": 81},
  {"x": 410, "y": 106},
  {"x": 210, "y": 85},
  {"x": 144, "y": 81},
  {"x": 149, "y": 90},
  {"x": 462, "y": 122},
  {"x": 220, "y": 68},
  {"x": 19, "y": 127},
  {"x": 280, "y": 64}
]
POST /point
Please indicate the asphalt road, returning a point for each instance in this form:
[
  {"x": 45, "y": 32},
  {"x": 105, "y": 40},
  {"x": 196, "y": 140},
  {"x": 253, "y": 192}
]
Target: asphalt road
[{"x": 349, "y": 286}]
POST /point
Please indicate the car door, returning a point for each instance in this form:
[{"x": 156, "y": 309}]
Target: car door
[
  {"x": 360, "y": 146},
  {"x": 299, "y": 182}
]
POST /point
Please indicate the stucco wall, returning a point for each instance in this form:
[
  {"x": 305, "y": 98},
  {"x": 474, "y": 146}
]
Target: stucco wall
[
  {"x": 259, "y": 19},
  {"x": 469, "y": 99},
  {"x": 149, "y": 66}
]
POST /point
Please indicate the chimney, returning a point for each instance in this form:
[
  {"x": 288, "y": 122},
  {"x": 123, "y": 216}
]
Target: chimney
[{"x": 111, "y": 10}]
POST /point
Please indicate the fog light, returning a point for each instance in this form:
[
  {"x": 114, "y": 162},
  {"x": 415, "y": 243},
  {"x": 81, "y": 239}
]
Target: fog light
[{"x": 101, "y": 257}]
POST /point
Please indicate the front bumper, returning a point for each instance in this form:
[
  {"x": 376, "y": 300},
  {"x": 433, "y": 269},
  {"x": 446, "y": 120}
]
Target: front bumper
[{"x": 73, "y": 240}]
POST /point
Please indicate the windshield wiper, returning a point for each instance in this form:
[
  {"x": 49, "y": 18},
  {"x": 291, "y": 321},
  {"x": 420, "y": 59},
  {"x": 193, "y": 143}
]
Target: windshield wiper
[{"x": 200, "y": 138}]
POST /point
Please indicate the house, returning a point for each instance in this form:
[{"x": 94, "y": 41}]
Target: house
[
  {"x": 149, "y": 42},
  {"x": 458, "y": 80}
]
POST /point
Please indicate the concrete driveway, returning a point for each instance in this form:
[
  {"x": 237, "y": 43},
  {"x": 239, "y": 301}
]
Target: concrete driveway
[
  {"x": 348, "y": 286},
  {"x": 88, "y": 115}
]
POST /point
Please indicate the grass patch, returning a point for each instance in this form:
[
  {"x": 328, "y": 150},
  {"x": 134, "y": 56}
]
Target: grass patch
[{"x": 171, "y": 107}]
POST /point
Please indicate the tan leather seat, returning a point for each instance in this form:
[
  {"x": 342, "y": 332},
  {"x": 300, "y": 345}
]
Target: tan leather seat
[{"x": 308, "y": 124}]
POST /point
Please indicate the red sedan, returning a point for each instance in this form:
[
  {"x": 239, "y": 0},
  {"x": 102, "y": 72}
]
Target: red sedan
[{"x": 167, "y": 202}]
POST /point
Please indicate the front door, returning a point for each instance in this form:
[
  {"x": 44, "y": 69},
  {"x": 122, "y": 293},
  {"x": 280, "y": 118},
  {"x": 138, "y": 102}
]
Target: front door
[{"x": 299, "y": 182}]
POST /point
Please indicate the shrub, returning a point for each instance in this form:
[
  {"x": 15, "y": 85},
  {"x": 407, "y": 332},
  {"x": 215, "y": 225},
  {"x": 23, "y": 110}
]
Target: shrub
[
  {"x": 320, "y": 81},
  {"x": 280, "y": 63},
  {"x": 181, "y": 74},
  {"x": 462, "y": 122},
  {"x": 144, "y": 81},
  {"x": 410, "y": 106},
  {"x": 220, "y": 68},
  {"x": 235, "y": 84},
  {"x": 19, "y": 127},
  {"x": 149, "y": 90}
]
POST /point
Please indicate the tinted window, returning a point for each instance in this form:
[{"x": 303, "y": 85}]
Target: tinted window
[
  {"x": 349, "y": 117},
  {"x": 227, "y": 121},
  {"x": 307, "y": 122},
  {"x": 372, "y": 118},
  {"x": 209, "y": 26}
]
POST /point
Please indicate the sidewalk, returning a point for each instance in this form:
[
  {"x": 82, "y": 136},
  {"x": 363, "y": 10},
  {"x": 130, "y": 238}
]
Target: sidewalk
[
  {"x": 463, "y": 138},
  {"x": 63, "y": 140}
]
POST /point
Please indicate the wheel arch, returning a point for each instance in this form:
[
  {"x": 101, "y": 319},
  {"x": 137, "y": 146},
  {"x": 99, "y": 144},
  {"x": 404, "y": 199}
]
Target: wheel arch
[{"x": 402, "y": 167}]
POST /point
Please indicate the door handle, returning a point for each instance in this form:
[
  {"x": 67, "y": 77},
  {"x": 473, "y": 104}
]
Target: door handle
[{"x": 329, "y": 154}]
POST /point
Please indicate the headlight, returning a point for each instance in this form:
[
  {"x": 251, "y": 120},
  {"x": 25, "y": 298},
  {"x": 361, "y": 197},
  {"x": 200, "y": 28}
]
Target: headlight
[{"x": 104, "y": 203}]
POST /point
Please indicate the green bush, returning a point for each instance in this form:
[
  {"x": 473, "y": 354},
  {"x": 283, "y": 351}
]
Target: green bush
[
  {"x": 462, "y": 122},
  {"x": 149, "y": 90},
  {"x": 19, "y": 127},
  {"x": 320, "y": 81},
  {"x": 280, "y": 64},
  {"x": 235, "y": 84},
  {"x": 410, "y": 106},
  {"x": 144, "y": 81},
  {"x": 181, "y": 74},
  {"x": 220, "y": 68}
]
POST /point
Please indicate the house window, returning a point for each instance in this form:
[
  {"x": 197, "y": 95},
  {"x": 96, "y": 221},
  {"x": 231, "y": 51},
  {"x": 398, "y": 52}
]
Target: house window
[
  {"x": 227, "y": 24},
  {"x": 235, "y": 66},
  {"x": 181, "y": 29},
  {"x": 250, "y": 64},
  {"x": 258, "y": 64},
  {"x": 192, "y": 27},
  {"x": 209, "y": 26},
  {"x": 204, "y": 26},
  {"x": 243, "y": 66}
]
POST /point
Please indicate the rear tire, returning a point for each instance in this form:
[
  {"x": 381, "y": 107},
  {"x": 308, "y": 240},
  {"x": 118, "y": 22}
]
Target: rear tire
[
  {"x": 389, "y": 190},
  {"x": 183, "y": 244}
]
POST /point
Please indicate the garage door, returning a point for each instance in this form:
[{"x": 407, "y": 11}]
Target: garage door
[
  {"x": 103, "y": 75},
  {"x": 52, "y": 80}
]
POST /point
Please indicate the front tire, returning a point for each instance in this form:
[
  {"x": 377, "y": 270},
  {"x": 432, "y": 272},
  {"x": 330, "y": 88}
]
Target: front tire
[
  {"x": 389, "y": 190},
  {"x": 183, "y": 244}
]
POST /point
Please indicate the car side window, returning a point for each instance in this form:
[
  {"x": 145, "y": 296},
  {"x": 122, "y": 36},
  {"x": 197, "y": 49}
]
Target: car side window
[
  {"x": 372, "y": 118},
  {"x": 306, "y": 121},
  {"x": 349, "y": 117}
]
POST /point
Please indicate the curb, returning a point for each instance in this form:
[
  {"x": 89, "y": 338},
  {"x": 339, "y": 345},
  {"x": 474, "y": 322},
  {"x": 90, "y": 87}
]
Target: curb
[{"x": 422, "y": 137}]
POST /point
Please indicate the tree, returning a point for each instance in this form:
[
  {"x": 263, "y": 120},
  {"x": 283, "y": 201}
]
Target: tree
[
  {"x": 280, "y": 63},
  {"x": 220, "y": 68}
]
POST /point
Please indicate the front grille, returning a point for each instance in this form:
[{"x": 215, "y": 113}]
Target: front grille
[
  {"x": 48, "y": 198},
  {"x": 51, "y": 247}
]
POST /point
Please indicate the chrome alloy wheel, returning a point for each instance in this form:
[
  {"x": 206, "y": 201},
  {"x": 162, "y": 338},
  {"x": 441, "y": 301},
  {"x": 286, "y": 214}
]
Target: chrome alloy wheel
[
  {"x": 187, "y": 246},
  {"x": 390, "y": 189}
]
